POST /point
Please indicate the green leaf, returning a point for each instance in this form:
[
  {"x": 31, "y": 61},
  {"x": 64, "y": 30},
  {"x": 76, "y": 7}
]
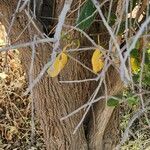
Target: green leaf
[
  {"x": 123, "y": 25},
  {"x": 132, "y": 101},
  {"x": 112, "y": 102},
  {"x": 87, "y": 10},
  {"x": 146, "y": 81},
  {"x": 147, "y": 59},
  {"x": 136, "y": 78},
  {"x": 135, "y": 61},
  {"x": 112, "y": 18},
  {"x": 135, "y": 53}
]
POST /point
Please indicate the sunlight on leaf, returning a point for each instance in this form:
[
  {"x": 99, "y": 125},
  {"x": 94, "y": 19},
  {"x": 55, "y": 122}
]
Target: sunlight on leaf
[
  {"x": 134, "y": 65},
  {"x": 97, "y": 61},
  {"x": 134, "y": 61},
  {"x": 58, "y": 65}
]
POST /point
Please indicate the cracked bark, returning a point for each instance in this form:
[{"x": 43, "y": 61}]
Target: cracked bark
[{"x": 54, "y": 100}]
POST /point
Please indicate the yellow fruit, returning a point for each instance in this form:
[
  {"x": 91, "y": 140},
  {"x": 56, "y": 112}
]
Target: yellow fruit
[
  {"x": 97, "y": 61},
  {"x": 58, "y": 65},
  {"x": 134, "y": 65}
]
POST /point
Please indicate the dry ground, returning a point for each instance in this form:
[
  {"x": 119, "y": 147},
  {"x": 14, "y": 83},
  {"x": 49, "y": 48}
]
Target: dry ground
[{"x": 15, "y": 110}]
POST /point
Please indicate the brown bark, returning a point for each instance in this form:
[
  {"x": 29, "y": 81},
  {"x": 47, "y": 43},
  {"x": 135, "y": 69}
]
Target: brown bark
[
  {"x": 54, "y": 100},
  {"x": 105, "y": 133}
]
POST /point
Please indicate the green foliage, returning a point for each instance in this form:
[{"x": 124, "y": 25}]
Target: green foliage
[
  {"x": 135, "y": 61},
  {"x": 147, "y": 58},
  {"x": 112, "y": 18},
  {"x": 122, "y": 28},
  {"x": 130, "y": 98},
  {"x": 146, "y": 73},
  {"x": 146, "y": 79},
  {"x": 86, "y": 11},
  {"x": 132, "y": 101},
  {"x": 123, "y": 25},
  {"x": 112, "y": 102},
  {"x": 134, "y": 53}
]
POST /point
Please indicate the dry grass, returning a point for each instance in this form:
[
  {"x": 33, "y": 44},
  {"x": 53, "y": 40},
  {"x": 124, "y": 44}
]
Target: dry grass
[
  {"x": 139, "y": 135},
  {"x": 15, "y": 110}
]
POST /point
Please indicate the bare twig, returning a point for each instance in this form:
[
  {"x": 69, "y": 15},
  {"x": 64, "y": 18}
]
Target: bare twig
[
  {"x": 88, "y": 37},
  {"x": 136, "y": 37},
  {"x": 89, "y": 106},
  {"x": 37, "y": 79},
  {"x": 23, "y": 5},
  {"x": 61, "y": 21},
  {"x": 140, "y": 84},
  {"x": 81, "y": 64},
  {"x": 87, "y": 17},
  {"x": 13, "y": 18},
  {"x": 22, "y": 45},
  {"x": 32, "y": 97},
  {"x": 82, "y": 107},
  {"x": 79, "y": 81},
  {"x": 123, "y": 69},
  {"x": 126, "y": 133}
]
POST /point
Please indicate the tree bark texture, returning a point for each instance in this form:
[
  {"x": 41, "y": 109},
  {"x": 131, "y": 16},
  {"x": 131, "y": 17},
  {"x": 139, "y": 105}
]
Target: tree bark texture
[{"x": 54, "y": 100}]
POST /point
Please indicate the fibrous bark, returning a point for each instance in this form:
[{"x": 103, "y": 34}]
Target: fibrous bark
[{"x": 54, "y": 100}]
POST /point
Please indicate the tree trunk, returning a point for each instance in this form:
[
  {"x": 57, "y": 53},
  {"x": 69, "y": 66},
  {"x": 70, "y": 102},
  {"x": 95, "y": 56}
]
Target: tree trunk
[{"x": 54, "y": 100}]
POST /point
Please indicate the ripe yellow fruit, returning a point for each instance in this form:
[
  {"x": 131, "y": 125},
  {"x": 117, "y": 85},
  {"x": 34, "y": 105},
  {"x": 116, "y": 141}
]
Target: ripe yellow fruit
[
  {"x": 135, "y": 67},
  {"x": 97, "y": 61},
  {"x": 58, "y": 65}
]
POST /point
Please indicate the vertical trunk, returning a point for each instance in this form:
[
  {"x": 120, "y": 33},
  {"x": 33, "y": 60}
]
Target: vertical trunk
[
  {"x": 54, "y": 100},
  {"x": 104, "y": 134}
]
